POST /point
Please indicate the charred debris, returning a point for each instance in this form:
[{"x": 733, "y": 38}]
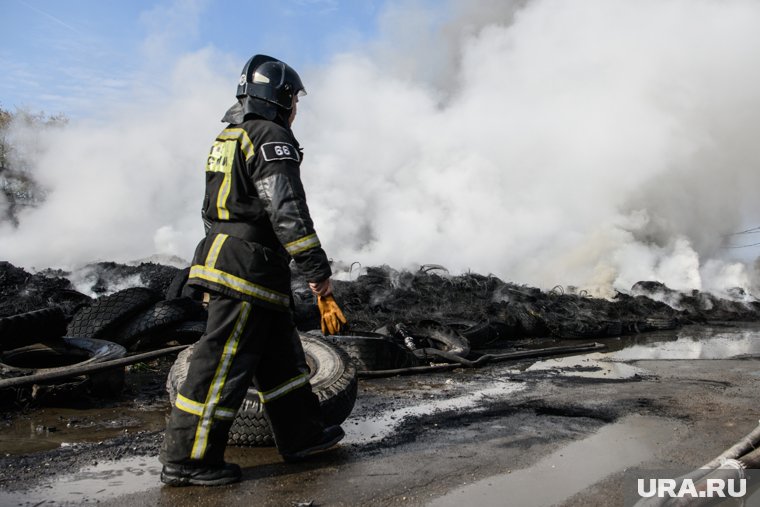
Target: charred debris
[{"x": 383, "y": 296}]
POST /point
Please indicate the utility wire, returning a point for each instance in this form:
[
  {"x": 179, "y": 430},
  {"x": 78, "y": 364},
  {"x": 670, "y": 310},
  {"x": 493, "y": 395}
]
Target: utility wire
[
  {"x": 741, "y": 246},
  {"x": 753, "y": 230}
]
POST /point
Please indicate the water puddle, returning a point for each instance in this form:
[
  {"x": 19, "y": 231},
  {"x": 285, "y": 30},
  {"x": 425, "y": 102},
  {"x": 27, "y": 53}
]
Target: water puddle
[
  {"x": 696, "y": 343},
  {"x": 690, "y": 342},
  {"x": 635, "y": 439},
  {"x": 591, "y": 366},
  {"x": 93, "y": 484},
  {"x": 378, "y": 426},
  {"x": 51, "y": 428}
]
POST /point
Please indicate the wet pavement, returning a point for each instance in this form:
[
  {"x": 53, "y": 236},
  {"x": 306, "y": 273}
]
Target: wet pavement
[{"x": 555, "y": 431}]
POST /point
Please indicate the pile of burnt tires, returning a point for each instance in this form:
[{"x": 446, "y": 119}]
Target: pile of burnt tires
[
  {"x": 35, "y": 346},
  {"x": 48, "y": 347}
]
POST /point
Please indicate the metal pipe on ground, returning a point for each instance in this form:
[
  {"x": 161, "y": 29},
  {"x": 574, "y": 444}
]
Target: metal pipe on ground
[
  {"x": 75, "y": 371},
  {"x": 729, "y": 464},
  {"x": 460, "y": 362}
]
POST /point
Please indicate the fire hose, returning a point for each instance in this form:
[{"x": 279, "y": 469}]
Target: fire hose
[
  {"x": 460, "y": 362},
  {"x": 75, "y": 371}
]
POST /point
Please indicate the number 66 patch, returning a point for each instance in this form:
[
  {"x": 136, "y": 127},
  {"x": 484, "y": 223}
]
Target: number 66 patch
[{"x": 279, "y": 151}]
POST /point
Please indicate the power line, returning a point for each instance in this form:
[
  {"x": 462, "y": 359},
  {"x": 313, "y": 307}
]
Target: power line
[
  {"x": 753, "y": 230},
  {"x": 741, "y": 246}
]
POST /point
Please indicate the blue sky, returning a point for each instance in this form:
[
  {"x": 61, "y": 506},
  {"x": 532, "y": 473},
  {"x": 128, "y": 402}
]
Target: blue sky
[{"x": 58, "y": 56}]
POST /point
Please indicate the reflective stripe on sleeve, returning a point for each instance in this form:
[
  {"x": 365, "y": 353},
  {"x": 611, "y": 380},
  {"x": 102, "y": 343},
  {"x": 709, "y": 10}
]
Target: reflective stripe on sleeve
[
  {"x": 285, "y": 388},
  {"x": 241, "y": 136},
  {"x": 239, "y": 284},
  {"x": 303, "y": 244}
]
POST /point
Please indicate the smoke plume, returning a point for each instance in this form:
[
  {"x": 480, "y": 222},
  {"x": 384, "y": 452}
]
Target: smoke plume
[{"x": 593, "y": 143}]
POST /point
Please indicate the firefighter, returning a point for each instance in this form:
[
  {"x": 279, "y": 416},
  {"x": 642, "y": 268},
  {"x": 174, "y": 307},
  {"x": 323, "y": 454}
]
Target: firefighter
[{"x": 256, "y": 221}]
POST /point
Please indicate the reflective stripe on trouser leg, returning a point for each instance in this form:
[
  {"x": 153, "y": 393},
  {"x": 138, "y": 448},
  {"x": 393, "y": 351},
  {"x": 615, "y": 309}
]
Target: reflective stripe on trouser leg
[
  {"x": 284, "y": 388},
  {"x": 217, "y": 384},
  {"x": 294, "y": 415}
]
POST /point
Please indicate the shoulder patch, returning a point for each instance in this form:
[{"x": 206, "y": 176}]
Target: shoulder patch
[{"x": 279, "y": 151}]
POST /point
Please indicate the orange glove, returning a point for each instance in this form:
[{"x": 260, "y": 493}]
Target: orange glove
[{"x": 333, "y": 319}]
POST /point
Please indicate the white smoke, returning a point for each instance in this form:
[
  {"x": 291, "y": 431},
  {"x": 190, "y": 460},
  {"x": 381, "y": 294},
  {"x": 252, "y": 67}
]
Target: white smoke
[
  {"x": 593, "y": 143},
  {"x": 128, "y": 185}
]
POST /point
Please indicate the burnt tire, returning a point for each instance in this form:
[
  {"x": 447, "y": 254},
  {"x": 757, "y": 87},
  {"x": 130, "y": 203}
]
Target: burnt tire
[
  {"x": 372, "y": 351},
  {"x": 432, "y": 334},
  {"x": 148, "y": 327},
  {"x": 67, "y": 353},
  {"x": 32, "y": 327},
  {"x": 106, "y": 314},
  {"x": 478, "y": 334},
  {"x": 186, "y": 333},
  {"x": 333, "y": 379}
]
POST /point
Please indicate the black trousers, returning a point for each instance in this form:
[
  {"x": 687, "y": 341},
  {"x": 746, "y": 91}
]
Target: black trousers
[{"x": 242, "y": 343}]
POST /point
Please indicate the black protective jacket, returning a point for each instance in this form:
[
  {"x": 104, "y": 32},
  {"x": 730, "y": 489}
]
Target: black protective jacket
[{"x": 256, "y": 216}]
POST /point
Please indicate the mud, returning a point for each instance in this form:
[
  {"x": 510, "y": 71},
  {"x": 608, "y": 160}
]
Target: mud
[
  {"x": 476, "y": 436},
  {"x": 665, "y": 398}
]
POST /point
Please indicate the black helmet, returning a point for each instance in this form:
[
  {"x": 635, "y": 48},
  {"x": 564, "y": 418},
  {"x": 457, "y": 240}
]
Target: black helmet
[{"x": 266, "y": 87}]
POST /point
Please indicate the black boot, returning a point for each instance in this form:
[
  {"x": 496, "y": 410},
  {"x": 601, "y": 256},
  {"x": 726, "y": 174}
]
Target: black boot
[
  {"x": 193, "y": 475},
  {"x": 328, "y": 438}
]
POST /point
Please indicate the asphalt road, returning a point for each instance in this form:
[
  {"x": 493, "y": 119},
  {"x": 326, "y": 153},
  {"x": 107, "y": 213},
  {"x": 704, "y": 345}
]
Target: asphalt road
[{"x": 552, "y": 432}]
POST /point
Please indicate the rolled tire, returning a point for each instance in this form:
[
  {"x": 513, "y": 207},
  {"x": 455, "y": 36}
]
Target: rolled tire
[
  {"x": 67, "y": 353},
  {"x": 333, "y": 379},
  {"x": 107, "y": 313},
  {"x": 32, "y": 327},
  {"x": 372, "y": 351},
  {"x": 147, "y": 328}
]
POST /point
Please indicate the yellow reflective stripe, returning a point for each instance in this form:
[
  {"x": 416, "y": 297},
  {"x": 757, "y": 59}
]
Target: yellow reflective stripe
[
  {"x": 285, "y": 388},
  {"x": 303, "y": 244},
  {"x": 213, "y": 252},
  {"x": 220, "y": 160},
  {"x": 224, "y": 413},
  {"x": 241, "y": 136},
  {"x": 239, "y": 284},
  {"x": 221, "y": 198},
  {"x": 188, "y": 405},
  {"x": 193, "y": 407},
  {"x": 217, "y": 384}
]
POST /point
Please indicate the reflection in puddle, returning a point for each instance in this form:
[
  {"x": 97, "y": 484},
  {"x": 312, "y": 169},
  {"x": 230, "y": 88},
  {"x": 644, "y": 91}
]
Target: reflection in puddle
[
  {"x": 690, "y": 342},
  {"x": 707, "y": 343},
  {"x": 378, "y": 426},
  {"x": 50, "y": 428},
  {"x": 96, "y": 483},
  {"x": 634, "y": 439}
]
